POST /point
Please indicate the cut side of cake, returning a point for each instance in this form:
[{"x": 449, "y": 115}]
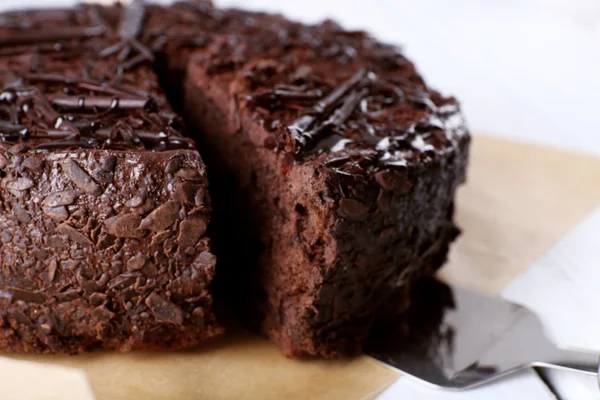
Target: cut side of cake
[
  {"x": 104, "y": 200},
  {"x": 336, "y": 174}
]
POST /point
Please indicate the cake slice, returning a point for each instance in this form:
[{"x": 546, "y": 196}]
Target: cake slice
[
  {"x": 334, "y": 169},
  {"x": 104, "y": 200}
]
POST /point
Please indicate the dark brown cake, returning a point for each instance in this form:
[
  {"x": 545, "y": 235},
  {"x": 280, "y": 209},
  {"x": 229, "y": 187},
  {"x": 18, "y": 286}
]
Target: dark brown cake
[
  {"x": 103, "y": 199},
  {"x": 333, "y": 170},
  {"x": 333, "y": 167}
]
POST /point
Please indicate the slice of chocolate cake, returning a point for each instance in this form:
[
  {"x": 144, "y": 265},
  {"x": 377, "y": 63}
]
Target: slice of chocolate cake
[
  {"x": 333, "y": 166},
  {"x": 103, "y": 198}
]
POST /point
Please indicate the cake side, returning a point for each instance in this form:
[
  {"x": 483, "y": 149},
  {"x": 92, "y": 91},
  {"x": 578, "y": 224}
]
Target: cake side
[
  {"x": 104, "y": 199},
  {"x": 98, "y": 252},
  {"x": 327, "y": 263},
  {"x": 347, "y": 163}
]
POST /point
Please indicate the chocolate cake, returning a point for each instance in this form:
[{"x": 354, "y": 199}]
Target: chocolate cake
[
  {"x": 333, "y": 169},
  {"x": 104, "y": 200}
]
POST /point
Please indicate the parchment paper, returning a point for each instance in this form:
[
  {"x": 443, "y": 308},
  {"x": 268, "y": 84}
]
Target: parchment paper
[{"x": 519, "y": 201}]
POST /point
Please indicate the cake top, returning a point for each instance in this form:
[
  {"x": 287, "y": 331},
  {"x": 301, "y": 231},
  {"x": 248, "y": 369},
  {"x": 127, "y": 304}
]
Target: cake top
[
  {"x": 322, "y": 92},
  {"x": 327, "y": 93},
  {"x": 77, "y": 79}
]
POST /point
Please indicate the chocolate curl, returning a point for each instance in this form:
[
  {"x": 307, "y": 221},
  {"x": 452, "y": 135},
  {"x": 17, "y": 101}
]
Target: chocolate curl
[
  {"x": 26, "y": 38},
  {"x": 307, "y": 127},
  {"x": 86, "y": 103},
  {"x": 130, "y": 28}
]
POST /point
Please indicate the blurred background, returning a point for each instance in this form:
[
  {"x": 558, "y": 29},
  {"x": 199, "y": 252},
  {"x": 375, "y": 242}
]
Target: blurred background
[{"x": 525, "y": 69}]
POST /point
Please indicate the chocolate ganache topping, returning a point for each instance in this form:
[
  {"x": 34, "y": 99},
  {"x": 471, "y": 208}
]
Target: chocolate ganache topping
[{"x": 105, "y": 107}]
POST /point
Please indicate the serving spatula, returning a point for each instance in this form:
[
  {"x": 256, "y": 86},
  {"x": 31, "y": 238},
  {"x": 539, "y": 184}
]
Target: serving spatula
[{"x": 455, "y": 338}]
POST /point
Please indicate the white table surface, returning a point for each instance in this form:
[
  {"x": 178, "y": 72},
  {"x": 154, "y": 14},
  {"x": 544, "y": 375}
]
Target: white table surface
[{"x": 525, "y": 69}]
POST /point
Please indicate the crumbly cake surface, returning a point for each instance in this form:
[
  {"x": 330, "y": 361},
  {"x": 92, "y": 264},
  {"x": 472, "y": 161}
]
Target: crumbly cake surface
[{"x": 103, "y": 198}]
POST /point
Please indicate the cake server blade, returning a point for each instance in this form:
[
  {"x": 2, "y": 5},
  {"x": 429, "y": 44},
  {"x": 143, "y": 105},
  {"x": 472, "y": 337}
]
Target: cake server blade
[{"x": 459, "y": 339}]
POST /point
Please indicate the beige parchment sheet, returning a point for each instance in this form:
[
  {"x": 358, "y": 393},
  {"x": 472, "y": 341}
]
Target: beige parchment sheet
[{"x": 519, "y": 201}]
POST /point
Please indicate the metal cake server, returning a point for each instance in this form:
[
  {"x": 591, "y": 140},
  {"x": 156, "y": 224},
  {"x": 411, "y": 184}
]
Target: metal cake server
[{"x": 460, "y": 339}]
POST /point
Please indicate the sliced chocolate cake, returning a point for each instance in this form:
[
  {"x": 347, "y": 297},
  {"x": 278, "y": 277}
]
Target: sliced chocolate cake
[
  {"x": 104, "y": 200},
  {"x": 333, "y": 170}
]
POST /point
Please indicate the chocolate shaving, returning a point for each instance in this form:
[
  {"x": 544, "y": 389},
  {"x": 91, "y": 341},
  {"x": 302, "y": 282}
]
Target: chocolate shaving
[
  {"x": 307, "y": 127},
  {"x": 9, "y": 128},
  {"x": 120, "y": 282},
  {"x": 105, "y": 88},
  {"x": 43, "y": 48},
  {"x": 57, "y": 213},
  {"x": 161, "y": 218},
  {"x": 63, "y": 145},
  {"x": 339, "y": 116},
  {"x": 51, "y": 78},
  {"x": 81, "y": 178},
  {"x": 74, "y": 234},
  {"x": 15, "y": 39},
  {"x": 154, "y": 138},
  {"x": 85, "y": 131},
  {"x": 52, "y": 267},
  {"x": 27, "y": 296},
  {"x": 62, "y": 198},
  {"x": 89, "y": 84},
  {"x": 163, "y": 310},
  {"x": 74, "y": 103},
  {"x": 129, "y": 29},
  {"x": 136, "y": 262},
  {"x": 125, "y": 226},
  {"x": 132, "y": 63},
  {"x": 20, "y": 184},
  {"x": 132, "y": 24},
  {"x": 343, "y": 113},
  {"x": 190, "y": 231},
  {"x": 271, "y": 98},
  {"x": 96, "y": 17}
]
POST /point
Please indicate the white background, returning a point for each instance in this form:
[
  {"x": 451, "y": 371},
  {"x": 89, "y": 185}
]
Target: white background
[{"x": 525, "y": 69}]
